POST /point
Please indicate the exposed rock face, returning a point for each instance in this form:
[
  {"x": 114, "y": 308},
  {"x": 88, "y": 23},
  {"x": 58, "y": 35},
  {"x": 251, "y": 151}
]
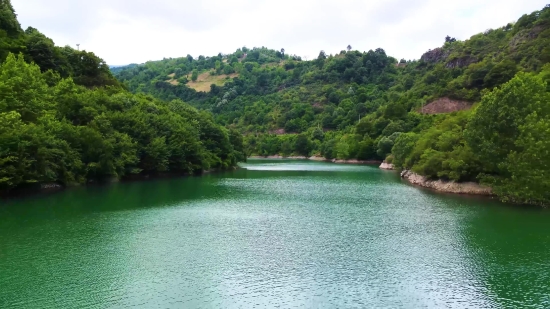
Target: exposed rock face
[
  {"x": 441, "y": 55},
  {"x": 278, "y": 132},
  {"x": 447, "y": 186},
  {"x": 387, "y": 166},
  {"x": 525, "y": 35},
  {"x": 445, "y": 105},
  {"x": 460, "y": 62},
  {"x": 436, "y": 55}
]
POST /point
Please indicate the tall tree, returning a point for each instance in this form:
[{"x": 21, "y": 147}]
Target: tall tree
[
  {"x": 495, "y": 125},
  {"x": 8, "y": 19}
]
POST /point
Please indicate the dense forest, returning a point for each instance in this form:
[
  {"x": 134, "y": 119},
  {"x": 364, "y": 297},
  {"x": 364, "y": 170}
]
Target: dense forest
[
  {"x": 65, "y": 119},
  {"x": 368, "y": 105}
]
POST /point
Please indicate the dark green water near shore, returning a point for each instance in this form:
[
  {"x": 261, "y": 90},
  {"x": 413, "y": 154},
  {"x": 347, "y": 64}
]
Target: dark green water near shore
[{"x": 276, "y": 233}]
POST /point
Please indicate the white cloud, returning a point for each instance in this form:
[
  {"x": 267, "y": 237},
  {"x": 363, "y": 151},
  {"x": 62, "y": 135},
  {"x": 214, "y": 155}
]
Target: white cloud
[{"x": 123, "y": 31}]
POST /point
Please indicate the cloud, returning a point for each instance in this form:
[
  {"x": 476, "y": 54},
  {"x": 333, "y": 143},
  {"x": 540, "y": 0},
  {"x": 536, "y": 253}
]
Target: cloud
[{"x": 124, "y": 32}]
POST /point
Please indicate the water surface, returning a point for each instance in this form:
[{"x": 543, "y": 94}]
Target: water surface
[{"x": 286, "y": 234}]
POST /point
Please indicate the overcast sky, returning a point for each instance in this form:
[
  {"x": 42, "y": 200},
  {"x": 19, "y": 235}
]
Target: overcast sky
[{"x": 124, "y": 31}]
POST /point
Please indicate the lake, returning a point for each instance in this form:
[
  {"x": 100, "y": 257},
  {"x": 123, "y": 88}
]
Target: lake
[{"x": 274, "y": 233}]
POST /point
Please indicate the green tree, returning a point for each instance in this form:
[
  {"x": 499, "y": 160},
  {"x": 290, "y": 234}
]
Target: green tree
[
  {"x": 367, "y": 149},
  {"x": 42, "y": 50},
  {"x": 495, "y": 124},
  {"x": 23, "y": 89},
  {"x": 513, "y": 139},
  {"x": 385, "y": 145},
  {"x": 402, "y": 148},
  {"x": 302, "y": 145},
  {"x": 529, "y": 169},
  {"x": 500, "y": 73},
  {"x": 195, "y": 75},
  {"x": 8, "y": 19}
]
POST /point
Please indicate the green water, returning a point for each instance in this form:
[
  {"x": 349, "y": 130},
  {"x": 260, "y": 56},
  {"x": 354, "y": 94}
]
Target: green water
[{"x": 283, "y": 234}]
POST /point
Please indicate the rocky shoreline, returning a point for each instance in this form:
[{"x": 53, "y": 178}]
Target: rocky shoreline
[
  {"x": 470, "y": 188},
  {"x": 320, "y": 159},
  {"x": 387, "y": 166}
]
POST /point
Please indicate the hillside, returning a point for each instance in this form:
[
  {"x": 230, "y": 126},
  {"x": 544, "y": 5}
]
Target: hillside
[
  {"x": 366, "y": 105},
  {"x": 65, "y": 120}
]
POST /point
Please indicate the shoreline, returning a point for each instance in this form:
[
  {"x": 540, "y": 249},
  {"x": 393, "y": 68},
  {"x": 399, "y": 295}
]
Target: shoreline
[
  {"x": 320, "y": 159},
  {"x": 441, "y": 186},
  {"x": 461, "y": 188},
  {"x": 466, "y": 188},
  {"x": 55, "y": 187}
]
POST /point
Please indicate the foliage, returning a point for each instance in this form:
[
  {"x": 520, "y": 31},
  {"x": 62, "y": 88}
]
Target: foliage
[
  {"x": 510, "y": 131},
  {"x": 70, "y": 134}
]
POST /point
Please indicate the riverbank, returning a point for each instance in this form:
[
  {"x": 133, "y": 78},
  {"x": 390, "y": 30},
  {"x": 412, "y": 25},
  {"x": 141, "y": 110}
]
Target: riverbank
[
  {"x": 320, "y": 159},
  {"x": 55, "y": 187},
  {"x": 470, "y": 188}
]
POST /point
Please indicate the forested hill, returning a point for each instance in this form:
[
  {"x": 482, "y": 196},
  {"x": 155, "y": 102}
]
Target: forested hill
[
  {"x": 368, "y": 105},
  {"x": 65, "y": 119}
]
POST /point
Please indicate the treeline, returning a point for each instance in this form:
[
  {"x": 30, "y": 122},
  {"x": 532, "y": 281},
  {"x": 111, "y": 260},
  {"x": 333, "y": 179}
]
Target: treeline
[{"x": 64, "y": 118}]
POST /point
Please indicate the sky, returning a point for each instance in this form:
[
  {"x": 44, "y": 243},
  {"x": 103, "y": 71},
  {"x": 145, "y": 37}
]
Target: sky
[{"x": 123, "y": 32}]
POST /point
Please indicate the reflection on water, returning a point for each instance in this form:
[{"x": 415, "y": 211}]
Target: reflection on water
[{"x": 272, "y": 234}]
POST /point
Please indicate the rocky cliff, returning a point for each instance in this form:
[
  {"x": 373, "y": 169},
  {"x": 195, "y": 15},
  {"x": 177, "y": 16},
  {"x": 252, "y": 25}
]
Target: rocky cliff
[{"x": 442, "y": 55}]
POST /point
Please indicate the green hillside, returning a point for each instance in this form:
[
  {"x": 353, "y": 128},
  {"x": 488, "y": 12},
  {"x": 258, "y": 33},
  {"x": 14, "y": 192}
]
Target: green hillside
[
  {"x": 368, "y": 105},
  {"x": 65, "y": 119}
]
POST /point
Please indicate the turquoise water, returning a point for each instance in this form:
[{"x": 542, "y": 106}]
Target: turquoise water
[{"x": 287, "y": 234}]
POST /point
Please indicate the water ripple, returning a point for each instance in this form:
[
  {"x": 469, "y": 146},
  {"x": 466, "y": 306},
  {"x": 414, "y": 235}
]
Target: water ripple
[{"x": 274, "y": 235}]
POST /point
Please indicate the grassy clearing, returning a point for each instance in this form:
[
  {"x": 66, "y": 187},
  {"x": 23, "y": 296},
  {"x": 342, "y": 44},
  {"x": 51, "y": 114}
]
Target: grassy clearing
[
  {"x": 273, "y": 65},
  {"x": 205, "y": 80}
]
